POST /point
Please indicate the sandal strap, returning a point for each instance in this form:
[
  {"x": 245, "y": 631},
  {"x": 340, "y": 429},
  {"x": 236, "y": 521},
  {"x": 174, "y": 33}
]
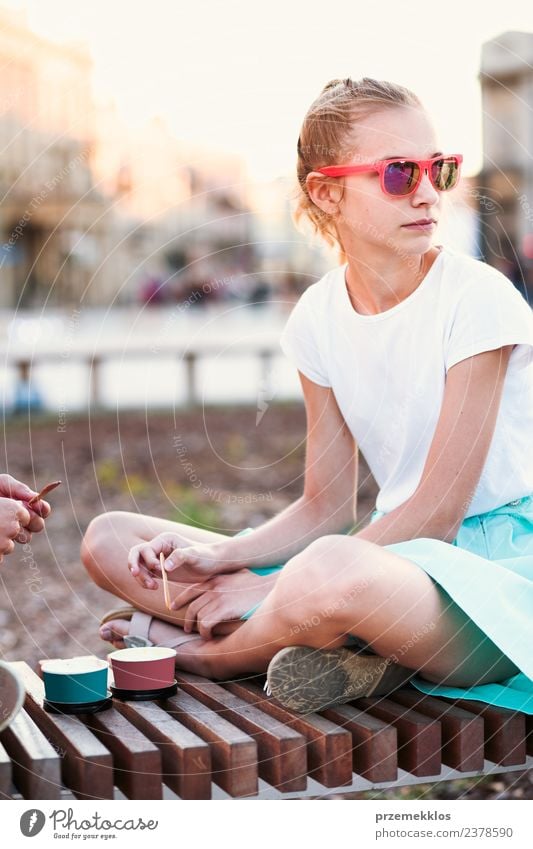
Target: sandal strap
[{"x": 140, "y": 626}]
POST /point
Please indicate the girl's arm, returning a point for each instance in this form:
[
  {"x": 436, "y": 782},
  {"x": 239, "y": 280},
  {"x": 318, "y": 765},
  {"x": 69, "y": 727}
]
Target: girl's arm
[
  {"x": 456, "y": 456},
  {"x": 327, "y": 506}
]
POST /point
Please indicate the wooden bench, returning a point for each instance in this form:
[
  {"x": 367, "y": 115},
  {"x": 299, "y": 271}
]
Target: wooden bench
[{"x": 229, "y": 740}]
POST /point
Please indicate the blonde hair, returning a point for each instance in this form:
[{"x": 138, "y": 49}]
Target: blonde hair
[{"x": 327, "y": 138}]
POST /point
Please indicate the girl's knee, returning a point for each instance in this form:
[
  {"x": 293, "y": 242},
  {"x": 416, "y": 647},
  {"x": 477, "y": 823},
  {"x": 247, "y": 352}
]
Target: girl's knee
[
  {"x": 331, "y": 574},
  {"x": 102, "y": 532}
]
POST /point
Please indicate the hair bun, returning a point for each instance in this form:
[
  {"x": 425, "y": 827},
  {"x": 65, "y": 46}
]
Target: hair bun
[
  {"x": 332, "y": 84},
  {"x": 346, "y": 83}
]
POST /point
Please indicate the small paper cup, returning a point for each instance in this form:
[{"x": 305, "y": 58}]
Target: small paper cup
[
  {"x": 75, "y": 680},
  {"x": 147, "y": 668}
]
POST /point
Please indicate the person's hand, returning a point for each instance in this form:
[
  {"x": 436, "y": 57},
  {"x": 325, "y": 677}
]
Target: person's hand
[
  {"x": 188, "y": 562},
  {"x": 11, "y": 488},
  {"x": 222, "y": 598},
  {"x": 14, "y": 518}
]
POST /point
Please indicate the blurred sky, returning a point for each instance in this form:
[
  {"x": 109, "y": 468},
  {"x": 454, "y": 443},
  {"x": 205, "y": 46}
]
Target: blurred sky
[{"x": 240, "y": 75}]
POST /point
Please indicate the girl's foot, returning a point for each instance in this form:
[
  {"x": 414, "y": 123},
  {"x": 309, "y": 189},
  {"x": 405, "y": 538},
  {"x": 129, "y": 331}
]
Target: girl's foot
[
  {"x": 193, "y": 655},
  {"x": 160, "y": 631}
]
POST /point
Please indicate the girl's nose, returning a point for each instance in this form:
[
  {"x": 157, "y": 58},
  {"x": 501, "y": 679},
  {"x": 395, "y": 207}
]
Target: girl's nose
[{"x": 426, "y": 191}]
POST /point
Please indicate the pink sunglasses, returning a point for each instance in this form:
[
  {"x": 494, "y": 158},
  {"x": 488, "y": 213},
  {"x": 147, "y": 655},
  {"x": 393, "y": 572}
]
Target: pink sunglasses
[{"x": 401, "y": 177}]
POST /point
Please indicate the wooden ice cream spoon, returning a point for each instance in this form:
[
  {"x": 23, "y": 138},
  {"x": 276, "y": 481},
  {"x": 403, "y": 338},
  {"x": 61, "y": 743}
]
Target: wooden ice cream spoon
[
  {"x": 44, "y": 491},
  {"x": 165, "y": 580}
]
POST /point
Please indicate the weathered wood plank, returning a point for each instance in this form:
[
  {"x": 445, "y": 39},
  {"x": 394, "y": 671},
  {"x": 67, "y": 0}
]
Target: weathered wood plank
[
  {"x": 136, "y": 760},
  {"x": 233, "y": 753},
  {"x": 529, "y": 734},
  {"x": 419, "y": 736},
  {"x": 282, "y": 751},
  {"x": 462, "y": 732},
  {"x": 186, "y": 758},
  {"x": 374, "y": 742},
  {"x": 36, "y": 764},
  {"x": 5, "y": 773},
  {"x": 86, "y": 766},
  {"x": 505, "y": 732},
  {"x": 329, "y": 748}
]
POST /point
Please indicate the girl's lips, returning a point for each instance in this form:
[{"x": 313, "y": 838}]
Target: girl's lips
[{"x": 427, "y": 226}]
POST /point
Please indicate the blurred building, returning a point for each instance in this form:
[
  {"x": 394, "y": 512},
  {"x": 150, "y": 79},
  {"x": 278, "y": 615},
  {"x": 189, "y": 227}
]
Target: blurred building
[
  {"x": 506, "y": 181},
  {"x": 52, "y": 219},
  {"x": 92, "y": 210},
  {"x": 184, "y": 210}
]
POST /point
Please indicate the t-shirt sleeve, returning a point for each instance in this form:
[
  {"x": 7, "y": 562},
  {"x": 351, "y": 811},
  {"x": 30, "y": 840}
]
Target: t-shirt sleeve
[
  {"x": 300, "y": 341},
  {"x": 489, "y": 314}
]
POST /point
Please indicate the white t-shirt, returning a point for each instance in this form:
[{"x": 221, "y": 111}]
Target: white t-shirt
[{"x": 388, "y": 371}]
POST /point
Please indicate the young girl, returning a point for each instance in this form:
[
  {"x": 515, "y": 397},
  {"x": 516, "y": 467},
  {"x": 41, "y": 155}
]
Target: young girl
[{"x": 420, "y": 357}]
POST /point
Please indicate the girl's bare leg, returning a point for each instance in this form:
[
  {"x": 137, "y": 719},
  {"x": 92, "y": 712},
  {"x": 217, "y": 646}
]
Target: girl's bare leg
[
  {"x": 104, "y": 552},
  {"x": 341, "y": 585}
]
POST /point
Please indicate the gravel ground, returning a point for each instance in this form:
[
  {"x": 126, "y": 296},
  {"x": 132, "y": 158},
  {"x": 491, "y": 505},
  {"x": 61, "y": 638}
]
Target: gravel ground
[{"x": 218, "y": 468}]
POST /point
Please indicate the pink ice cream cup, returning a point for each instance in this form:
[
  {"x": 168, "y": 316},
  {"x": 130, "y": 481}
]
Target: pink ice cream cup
[{"x": 146, "y": 668}]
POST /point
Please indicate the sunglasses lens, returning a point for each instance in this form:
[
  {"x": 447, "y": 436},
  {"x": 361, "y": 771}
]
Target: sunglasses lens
[
  {"x": 444, "y": 174},
  {"x": 400, "y": 178}
]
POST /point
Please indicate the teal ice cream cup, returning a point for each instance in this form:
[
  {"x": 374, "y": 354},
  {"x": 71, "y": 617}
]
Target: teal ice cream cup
[{"x": 76, "y": 680}]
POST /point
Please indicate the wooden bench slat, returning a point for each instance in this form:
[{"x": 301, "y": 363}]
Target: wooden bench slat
[
  {"x": 233, "y": 753},
  {"x": 186, "y": 758},
  {"x": 529, "y": 734},
  {"x": 5, "y": 773},
  {"x": 419, "y": 736},
  {"x": 87, "y": 766},
  {"x": 462, "y": 732},
  {"x": 329, "y": 748},
  {"x": 282, "y": 751},
  {"x": 374, "y": 742},
  {"x": 136, "y": 760},
  {"x": 36, "y": 764},
  {"x": 505, "y": 732}
]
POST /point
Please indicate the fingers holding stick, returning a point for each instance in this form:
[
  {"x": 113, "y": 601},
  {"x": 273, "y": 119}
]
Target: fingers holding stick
[{"x": 165, "y": 581}]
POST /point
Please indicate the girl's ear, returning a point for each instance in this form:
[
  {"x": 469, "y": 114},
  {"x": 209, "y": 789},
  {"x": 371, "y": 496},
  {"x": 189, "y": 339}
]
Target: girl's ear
[{"x": 324, "y": 193}]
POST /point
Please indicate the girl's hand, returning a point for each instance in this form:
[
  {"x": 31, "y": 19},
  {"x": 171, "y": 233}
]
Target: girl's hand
[
  {"x": 195, "y": 561},
  {"x": 198, "y": 562},
  {"x": 221, "y": 598}
]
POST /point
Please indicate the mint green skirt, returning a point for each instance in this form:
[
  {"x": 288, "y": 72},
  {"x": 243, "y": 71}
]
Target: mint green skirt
[{"x": 488, "y": 572}]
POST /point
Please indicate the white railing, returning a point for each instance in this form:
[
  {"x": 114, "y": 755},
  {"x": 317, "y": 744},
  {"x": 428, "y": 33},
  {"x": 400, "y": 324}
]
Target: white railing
[{"x": 23, "y": 364}]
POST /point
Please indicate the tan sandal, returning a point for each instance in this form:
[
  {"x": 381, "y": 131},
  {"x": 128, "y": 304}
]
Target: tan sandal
[
  {"x": 305, "y": 680},
  {"x": 140, "y": 627},
  {"x": 12, "y": 694},
  {"x": 118, "y": 613}
]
